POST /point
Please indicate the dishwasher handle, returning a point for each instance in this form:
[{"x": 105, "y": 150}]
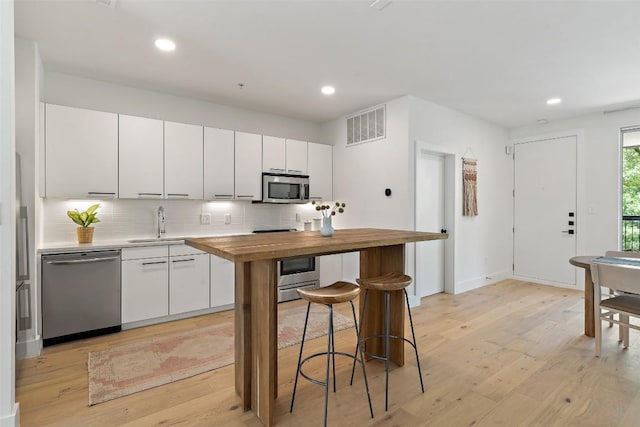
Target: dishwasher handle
[{"x": 83, "y": 261}]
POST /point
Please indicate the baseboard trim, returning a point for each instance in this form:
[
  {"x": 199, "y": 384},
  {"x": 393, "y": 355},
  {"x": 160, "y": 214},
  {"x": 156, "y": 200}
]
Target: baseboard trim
[
  {"x": 548, "y": 282},
  {"x": 29, "y": 349},
  {"x": 479, "y": 282},
  {"x": 13, "y": 419}
]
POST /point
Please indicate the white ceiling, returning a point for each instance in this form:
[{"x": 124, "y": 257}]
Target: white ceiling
[{"x": 498, "y": 61}]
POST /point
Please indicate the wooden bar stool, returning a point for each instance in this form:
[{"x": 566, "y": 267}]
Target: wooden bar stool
[
  {"x": 387, "y": 283},
  {"x": 336, "y": 293}
]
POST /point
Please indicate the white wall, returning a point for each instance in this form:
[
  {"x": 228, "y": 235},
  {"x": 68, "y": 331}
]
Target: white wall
[
  {"x": 362, "y": 172},
  {"x": 9, "y": 410},
  {"x": 27, "y": 94},
  {"x": 75, "y": 91},
  {"x": 598, "y": 174},
  {"x": 484, "y": 243}
]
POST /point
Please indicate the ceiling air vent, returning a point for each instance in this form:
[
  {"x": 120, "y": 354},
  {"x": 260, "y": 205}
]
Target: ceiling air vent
[
  {"x": 107, "y": 3},
  {"x": 366, "y": 126}
]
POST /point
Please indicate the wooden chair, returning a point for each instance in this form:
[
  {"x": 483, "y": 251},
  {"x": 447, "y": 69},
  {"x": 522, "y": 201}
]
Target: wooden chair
[
  {"x": 337, "y": 293},
  {"x": 623, "y": 277},
  {"x": 620, "y": 254}
]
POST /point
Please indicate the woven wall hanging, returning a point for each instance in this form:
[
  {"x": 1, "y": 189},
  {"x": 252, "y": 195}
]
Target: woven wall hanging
[{"x": 470, "y": 187}]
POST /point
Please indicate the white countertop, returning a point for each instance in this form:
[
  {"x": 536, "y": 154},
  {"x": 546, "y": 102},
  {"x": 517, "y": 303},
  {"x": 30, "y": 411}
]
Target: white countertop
[{"x": 102, "y": 244}]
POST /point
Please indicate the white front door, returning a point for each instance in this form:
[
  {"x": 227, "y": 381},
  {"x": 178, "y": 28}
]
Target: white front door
[
  {"x": 429, "y": 217},
  {"x": 544, "y": 207}
]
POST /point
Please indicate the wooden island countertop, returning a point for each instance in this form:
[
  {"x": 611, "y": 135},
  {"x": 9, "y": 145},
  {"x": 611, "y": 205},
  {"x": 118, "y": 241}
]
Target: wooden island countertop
[
  {"x": 263, "y": 246},
  {"x": 256, "y": 259}
]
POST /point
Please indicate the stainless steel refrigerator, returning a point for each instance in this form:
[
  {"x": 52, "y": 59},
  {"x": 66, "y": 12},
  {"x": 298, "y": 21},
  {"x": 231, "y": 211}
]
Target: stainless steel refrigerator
[{"x": 23, "y": 280}]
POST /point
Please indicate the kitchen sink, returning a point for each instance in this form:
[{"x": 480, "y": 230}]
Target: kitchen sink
[{"x": 160, "y": 239}]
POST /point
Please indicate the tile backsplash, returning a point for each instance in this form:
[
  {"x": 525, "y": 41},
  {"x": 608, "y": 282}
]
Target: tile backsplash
[{"x": 127, "y": 219}]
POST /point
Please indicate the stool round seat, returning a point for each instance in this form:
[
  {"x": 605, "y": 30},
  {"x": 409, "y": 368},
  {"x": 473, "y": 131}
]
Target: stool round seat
[
  {"x": 386, "y": 282},
  {"x": 333, "y": 294}
]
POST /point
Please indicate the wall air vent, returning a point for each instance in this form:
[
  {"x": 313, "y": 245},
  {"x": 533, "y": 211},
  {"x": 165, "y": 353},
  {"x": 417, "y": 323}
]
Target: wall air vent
[{"x": 367, "y": 126}]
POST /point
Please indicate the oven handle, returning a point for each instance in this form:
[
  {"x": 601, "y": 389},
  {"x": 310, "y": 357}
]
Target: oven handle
[{"x": 300, "y": 285}]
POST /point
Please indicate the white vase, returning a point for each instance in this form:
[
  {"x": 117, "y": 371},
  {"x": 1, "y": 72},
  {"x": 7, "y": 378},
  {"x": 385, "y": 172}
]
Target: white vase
[{"x": 327, "y": 229}]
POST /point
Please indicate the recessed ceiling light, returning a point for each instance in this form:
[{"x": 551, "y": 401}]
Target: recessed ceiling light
[
  {"x": 554, "y": 101},
  {"x": 328, "y": 90},
  {"x": 165, "y": 44}
]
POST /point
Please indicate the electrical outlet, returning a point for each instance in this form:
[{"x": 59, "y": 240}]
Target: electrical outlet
[
  {"x": 227, "y": 218},
  {"x": 205, "y": 218},
  {"x": 297, "y": 217}
]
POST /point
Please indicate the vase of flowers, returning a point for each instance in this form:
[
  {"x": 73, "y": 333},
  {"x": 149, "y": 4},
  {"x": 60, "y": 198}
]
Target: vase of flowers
[
  {"x": 328, "y": 211},
  {"x": 84, "y": 220}
]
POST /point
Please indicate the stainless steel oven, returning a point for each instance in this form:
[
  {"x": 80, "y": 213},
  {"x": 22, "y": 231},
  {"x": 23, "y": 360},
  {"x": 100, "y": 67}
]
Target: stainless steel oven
[{"x": 295, "y": 273}]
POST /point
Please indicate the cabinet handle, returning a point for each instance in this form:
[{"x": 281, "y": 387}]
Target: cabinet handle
[
  {"x": 238, "y": 197},
  {"x": 177, "y": 195},
  {"x": 294, "y": 171},
  {"x": 183, "y": 260},
  {"x": 222, "y": 196},
  {"x": 276, "y": 170},
  {"x": 100, "y": 194},
  {"x": 154, "y": 262},
  {"x": 149, "y": 194},
  {"x": 315, "y": 198}
]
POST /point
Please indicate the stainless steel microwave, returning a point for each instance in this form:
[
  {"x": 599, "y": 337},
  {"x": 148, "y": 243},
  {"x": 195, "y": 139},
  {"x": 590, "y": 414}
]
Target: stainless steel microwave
[{"x": 285, "y": 188}]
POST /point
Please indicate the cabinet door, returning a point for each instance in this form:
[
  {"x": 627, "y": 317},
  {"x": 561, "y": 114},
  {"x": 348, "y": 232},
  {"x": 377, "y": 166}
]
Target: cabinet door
[
  {"x": 273, "y": 154},
  {"x": 141, "y": 167},
  {"x": 330, "y": 269},
  {"x": 248, "y": 170},
  {"x": 188, "y": 283},
  {"x": 320, "y": 171},
  {"x": 222, "y": 281},
  {"x": 183, "y": 161},
  {"x": 218, "y": 164},
  {"x": 296, "y": 154},
  {"x": 81, "y": 153},
  {"x": 145, "y": 289}
]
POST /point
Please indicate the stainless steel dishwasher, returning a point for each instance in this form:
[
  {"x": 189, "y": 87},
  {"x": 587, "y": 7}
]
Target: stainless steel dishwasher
[{"x": 80, "y": 295}]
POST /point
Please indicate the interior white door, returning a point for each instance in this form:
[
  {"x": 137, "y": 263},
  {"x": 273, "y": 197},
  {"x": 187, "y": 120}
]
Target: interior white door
[
  {"x": 429, "y": 217},
  {"x": 544, "y": 207}
]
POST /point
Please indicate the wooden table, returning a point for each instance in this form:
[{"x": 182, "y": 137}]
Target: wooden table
[
  {"x": 255, "y": 257},
  {"x": 589, "y": 322}
]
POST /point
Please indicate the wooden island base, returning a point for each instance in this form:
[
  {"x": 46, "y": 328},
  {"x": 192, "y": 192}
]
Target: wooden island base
[{"x": 256, "y": 257}]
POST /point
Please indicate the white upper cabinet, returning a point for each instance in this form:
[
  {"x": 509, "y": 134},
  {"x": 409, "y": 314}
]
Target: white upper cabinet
[
  {"x": 141, "y": 150},
  {"x": 183, "y": 151},
  {"x": 248, "y": 171},
  {"x": 81, "y": 153},
  {"x": 284, "y": 156},
  {"x": 273, "y": 154},
  {"x": 296, "y": 157},
  {"x": 218, "y": 164},
  {"x": 320, "y": 171}
]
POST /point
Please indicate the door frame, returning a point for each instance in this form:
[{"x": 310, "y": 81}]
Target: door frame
[
  {"x": 581, "y": 207},
  {"x": 450, "y": 196}
]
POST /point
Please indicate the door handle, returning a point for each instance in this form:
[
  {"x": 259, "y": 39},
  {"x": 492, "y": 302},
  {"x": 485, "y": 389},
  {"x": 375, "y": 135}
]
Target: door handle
[{"x": 569, "y": 231}]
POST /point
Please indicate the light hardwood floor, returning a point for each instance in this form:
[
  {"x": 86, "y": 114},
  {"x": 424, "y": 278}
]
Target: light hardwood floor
[{"x": 509, "y": 354}]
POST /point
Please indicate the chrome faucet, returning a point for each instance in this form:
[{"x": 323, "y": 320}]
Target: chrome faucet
[{"x": 160, "y": 222}]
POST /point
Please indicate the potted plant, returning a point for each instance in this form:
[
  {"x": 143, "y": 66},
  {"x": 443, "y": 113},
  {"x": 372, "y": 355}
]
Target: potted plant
[{"x": 84, "y": 220}]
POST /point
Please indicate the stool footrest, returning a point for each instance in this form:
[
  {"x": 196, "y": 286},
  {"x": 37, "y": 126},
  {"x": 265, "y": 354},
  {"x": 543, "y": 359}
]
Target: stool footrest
[{"x": 324, "y": 353}]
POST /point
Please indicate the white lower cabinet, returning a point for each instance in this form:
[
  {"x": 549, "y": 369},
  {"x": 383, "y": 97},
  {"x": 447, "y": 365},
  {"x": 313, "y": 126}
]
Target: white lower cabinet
[
  {"x": 222, "y": 281},
  {"x": 330, "y": 269},
  {"x": 188, "y": 280},
  {"x": 145, "y": 283}
]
